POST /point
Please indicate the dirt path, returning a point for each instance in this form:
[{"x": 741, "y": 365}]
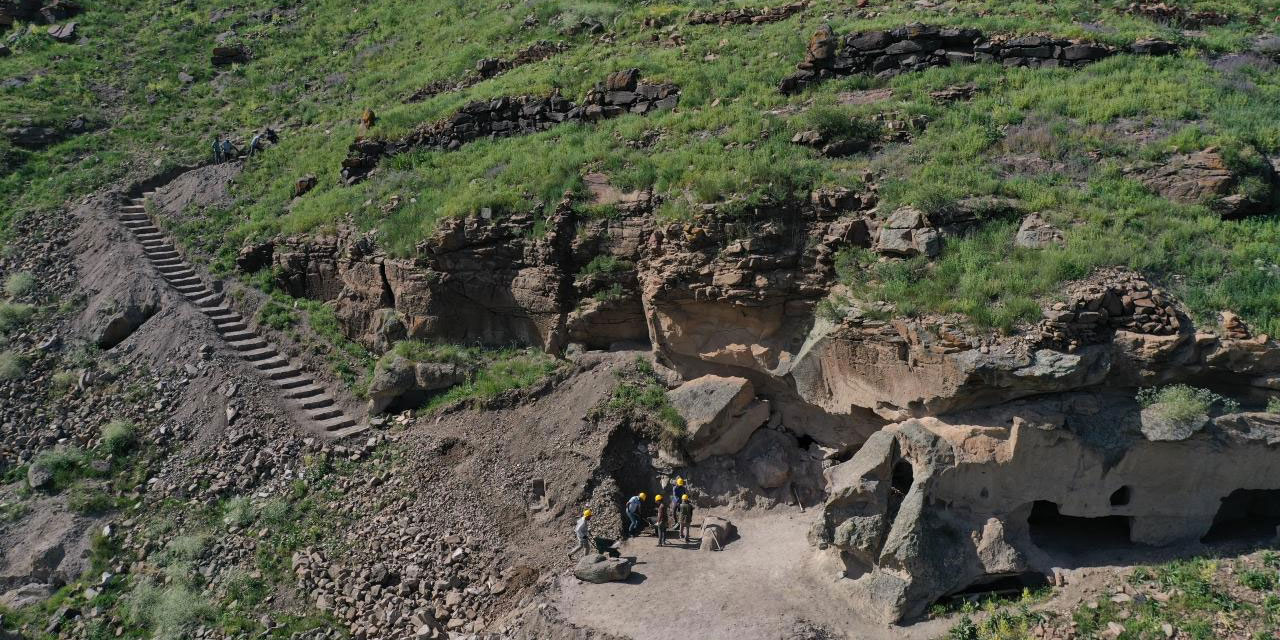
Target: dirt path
[{"x": 765, "y": 585}]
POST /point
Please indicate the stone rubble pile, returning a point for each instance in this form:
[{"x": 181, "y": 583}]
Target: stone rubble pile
[
  {"x": 490, "y": 67},
  {"x": 620, "y": 93},
  {"x": 748, "y": 15},
  {"x": 1112, "y": 300},
  {"x": 917, "y": 47}
]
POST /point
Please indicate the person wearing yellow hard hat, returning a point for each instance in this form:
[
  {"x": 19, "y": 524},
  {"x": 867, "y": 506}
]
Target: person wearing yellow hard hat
[
  {"x": 678, "y": 491},
  {"x": 633, "y": 512},
  {"x": 661, "y": 522},
  {"x": 583, "y": 532}
]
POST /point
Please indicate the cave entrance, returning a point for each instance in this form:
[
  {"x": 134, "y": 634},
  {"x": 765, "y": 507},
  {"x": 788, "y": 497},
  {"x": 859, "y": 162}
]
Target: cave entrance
[
  {"x": 998, "y": 587},
  {"x": 901, "y": 479},
  {"x": 1246, "y": 515},
  {"x": 1055, "y": 533}
]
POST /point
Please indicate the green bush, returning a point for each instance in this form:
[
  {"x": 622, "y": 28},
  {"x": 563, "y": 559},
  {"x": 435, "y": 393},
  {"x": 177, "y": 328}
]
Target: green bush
[
  {"x": 1181, "y": 403},
  {"x": 62, "y": 382},
  {"x": 277, "y": 316},
  {"x": 606, "y": 264},
  {"x": 421, "y": 351},
  {"x": 67, "y": 464},
  {"x": 838, "y": 123},
  {"x": 14, "y": 315},
  {"x": 238, "y": 511},
  {"x": 86, "y": 498},
  {"x": 1258, "y": 580},
  {"x": 171, "y": 611},
  {"x": 19, "y": 284},
  {"x": 1273, "y": 404},
  {"x": 12, "y": 366},
  {"x": 119, "y": 437}
]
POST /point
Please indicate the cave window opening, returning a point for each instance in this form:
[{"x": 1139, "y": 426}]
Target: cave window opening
[
  {"x": 1120, "y": 497},
  {"x": 1010, "y": 586},
  {"x": 900, "y": 481},
  {"x": 1245, "y": 515},
  {"x": 1056, "y": 533}
]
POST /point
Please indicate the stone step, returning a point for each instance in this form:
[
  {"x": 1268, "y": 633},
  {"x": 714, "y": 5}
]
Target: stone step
[
  {"x": 175, "y": 272},
  {"x": 223, "y": 317},
  {"x": 259, "y": 353},
  {"x": 280, "y": 373},
  {"x": 276, "y": 364},
  {"x": 252, "y": 345},
  {"x": 237, "y": 335},
  {"x": 133, "y": 208},
  {"x": 307, "y": 391},
  {"x": 138, "y": 224},
  {"x": 315, "y": 403},
  {"x": 161, "y": 255},
  {"x": 144, "y": 235},
  {"x": 232, "y": 327},
  {"x": 293, "y": 383},
  {"x": 192, "y": 291},
  {"x": 336, "y": 426},
  {"x": 162, "y": 263},
  {"x": 134, "y": 217},
  {"x": 324, "y": 413},
  {"x": 211, "y": 301},
  {"x": 182, "y": 280}
]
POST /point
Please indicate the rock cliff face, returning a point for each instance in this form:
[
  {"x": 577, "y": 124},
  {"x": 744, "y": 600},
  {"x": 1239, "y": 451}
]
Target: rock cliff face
[{"x": 723, "y": 296}]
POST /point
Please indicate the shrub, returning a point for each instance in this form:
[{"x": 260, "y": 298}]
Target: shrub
[
  {"x": 89, "y": 499},
  {"x": 838, "y": 123},
  {"x": 19, "y": 284},
  {"x": 606, "y": 264},
  {"x": 1181, "y": 403},
  {"x": 277, "y": 316},
  {"x": 238, "y": 512},
  {"x": 1258, "y": 580},
  {"x": 14, "y": 315},
  {"x": 119, "y": 436},
  {"x": 63, "y": 382},
  {"x": 67, "y": 464},
  {"x": 1273, "y": 405},
  {"x": 171, "y": 612},
  {"x": 421, "y": 351},
  {"x": 11, "y": 366}
]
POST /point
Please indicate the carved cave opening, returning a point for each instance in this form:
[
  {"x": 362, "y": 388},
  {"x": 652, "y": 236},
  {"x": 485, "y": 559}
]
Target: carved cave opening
[
  {"x": 1056, "y": 533},
  {"x": 1246, "y": 515}
]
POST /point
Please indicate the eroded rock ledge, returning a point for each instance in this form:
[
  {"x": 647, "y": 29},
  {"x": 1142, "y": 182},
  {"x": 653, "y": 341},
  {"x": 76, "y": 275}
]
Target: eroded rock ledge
[
  {"x": 620, "y": 93},
  {"x": 917, "y": 47}
]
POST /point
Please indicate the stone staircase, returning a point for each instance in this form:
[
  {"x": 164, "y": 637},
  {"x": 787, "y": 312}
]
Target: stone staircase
[{"x": 298, "y": 388}]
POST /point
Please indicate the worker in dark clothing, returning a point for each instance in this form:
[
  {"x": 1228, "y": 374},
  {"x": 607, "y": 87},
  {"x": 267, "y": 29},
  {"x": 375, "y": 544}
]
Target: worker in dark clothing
[
  {"x": 662, "y": 521},
  {"x": 686, "y": 517},
  {"x": 217, "y": 150},
  {"x": 229, "y": 151},
  {"x": 272, "y": 136}
]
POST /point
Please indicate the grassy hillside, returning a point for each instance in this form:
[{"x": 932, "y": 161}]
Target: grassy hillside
[{"x": 317, "y": 65}]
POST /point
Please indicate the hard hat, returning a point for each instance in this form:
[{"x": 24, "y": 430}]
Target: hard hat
[
  {"x": 643, "y": 496},
  {"x": 679, "y": 482},
  {"x": 657, "y": 498},
  {"x": 586, "y": 513}
]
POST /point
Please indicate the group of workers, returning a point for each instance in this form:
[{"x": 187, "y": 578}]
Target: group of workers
[
  {"x": 677, "y": 509},
  {"x": 224, "y": 150}
]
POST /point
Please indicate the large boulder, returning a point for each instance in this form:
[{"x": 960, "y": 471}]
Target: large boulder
[
  {"x": 720, "y": 412},
  {"x": 716, "y": 533},
  {"x": 599, "y": 569},
  {"x": 404, "y": 380},
  {"x": 27, "y": 595},
  {"x": 115, "y": 327},
  {"x": 1205, "y": 177},
  {"x": 1036, "y": 233}
]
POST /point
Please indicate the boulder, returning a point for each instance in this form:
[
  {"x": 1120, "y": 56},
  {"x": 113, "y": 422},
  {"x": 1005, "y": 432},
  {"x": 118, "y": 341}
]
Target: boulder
[
  {"x": 403, "y": 380},
  {"x": 1036, "y": 233},
  {"x": 63, "y": 33},
  {"x": 115, "y": 328},
  {"x": 720, "y": 413},
  {"x": 255, "y": 256},
  {"x": 304, "y": 184},
  {"x": 1158, "y": 426},
  {"x": 27, "y": 595},
  {"x": 716, "y": 533},
  {"x": 39, "y": 476},
  {"x": 1204, "y": 177},
  {"x": 599, "y": 569},
  {"x": 32, "y": 137},
  {"x": 907, "y": 233}
]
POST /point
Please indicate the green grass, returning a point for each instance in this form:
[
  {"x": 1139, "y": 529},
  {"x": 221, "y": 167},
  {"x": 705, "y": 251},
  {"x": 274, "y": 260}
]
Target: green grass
[
  {"x": 13, "y": 315},
  {"x": 19, "y": 284},
  {"x": 12, "y": 366},
  {"x": 119, "y": 437},
  {"x": 277, "y": 316},
  {"x": 315, "y": 67},
  {"x": 641, "y": 394},
  {"x": 503, "y": 371},
  {"x": 1182, "y": 403}
]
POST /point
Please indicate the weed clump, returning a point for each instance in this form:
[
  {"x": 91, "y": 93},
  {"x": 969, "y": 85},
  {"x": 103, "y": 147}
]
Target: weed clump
[
  {"x": 19, "y": 284},
  {"x": 119, "y": 437},
  {"x": 12, "y": 366}
]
